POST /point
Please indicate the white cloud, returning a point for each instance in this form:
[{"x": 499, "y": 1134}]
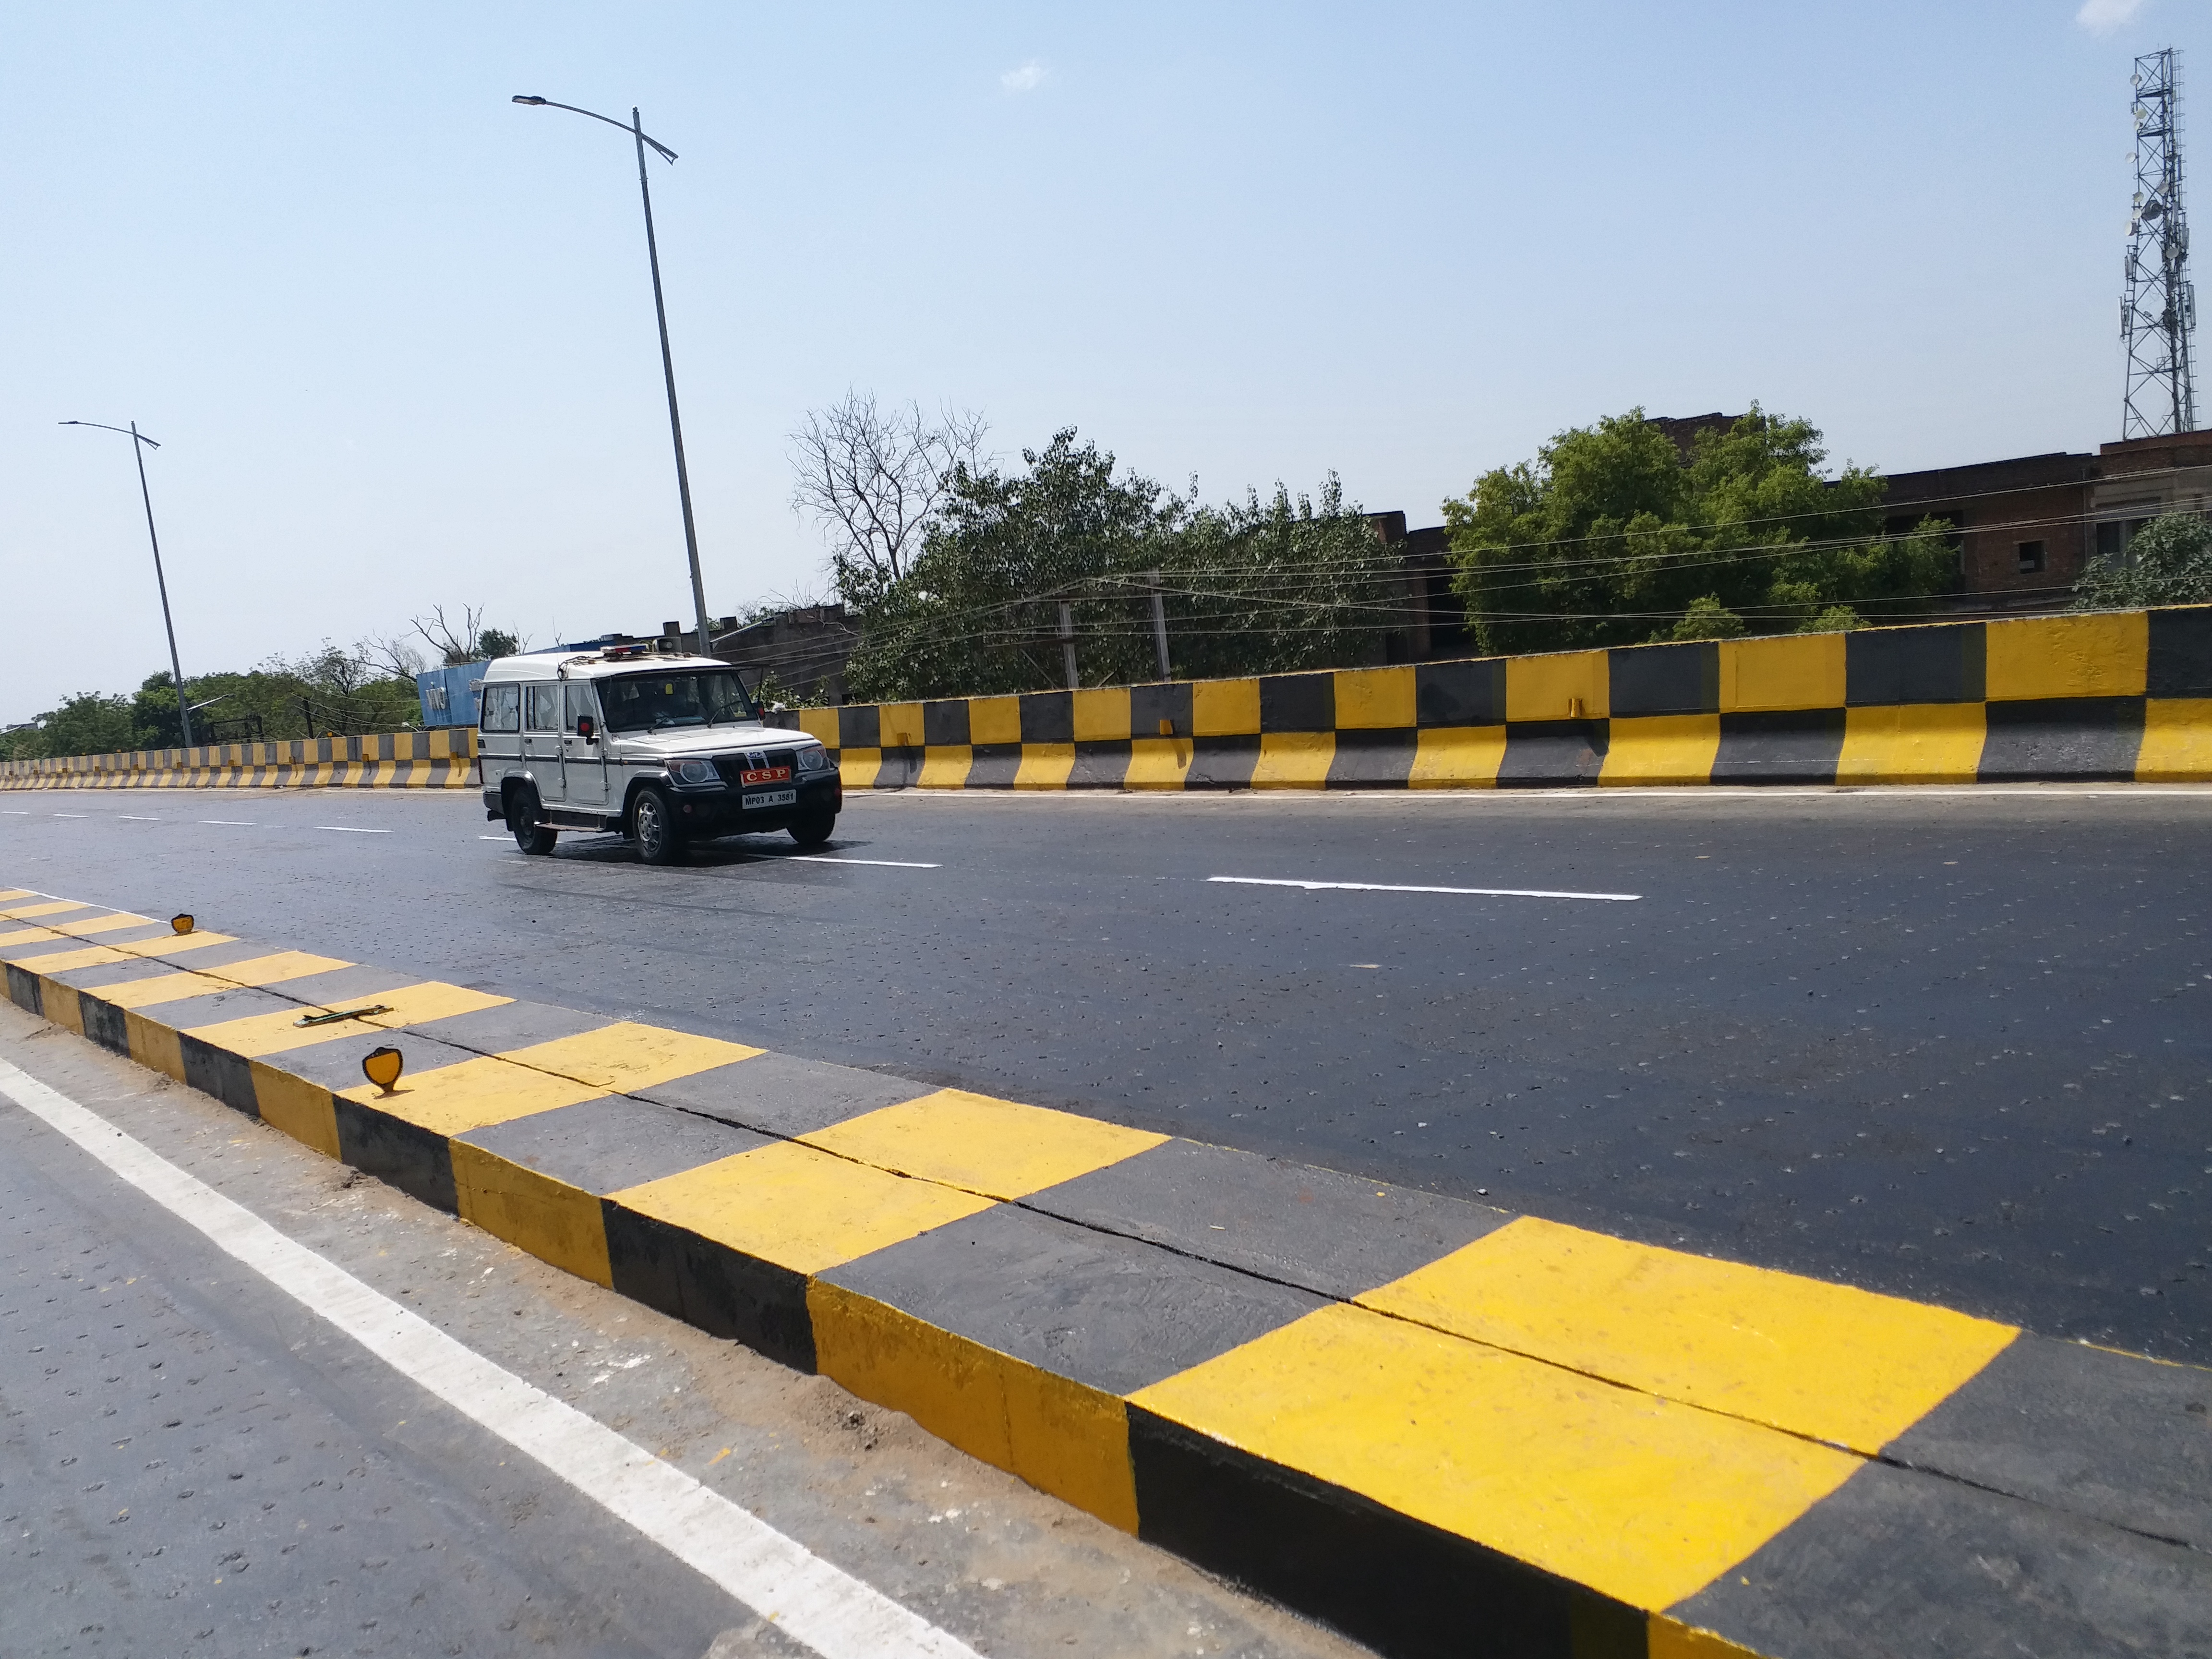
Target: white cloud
[
  {"x": 2103, "y": 17},
  {"x": 1030, "y": 76}
]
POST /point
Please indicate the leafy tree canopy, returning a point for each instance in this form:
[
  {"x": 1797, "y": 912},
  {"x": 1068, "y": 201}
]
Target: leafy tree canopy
[
  {"x": 1613, "y": 536},
  {"x": 1256, "y": 586},
  {"x": 2167, "y": 561}
]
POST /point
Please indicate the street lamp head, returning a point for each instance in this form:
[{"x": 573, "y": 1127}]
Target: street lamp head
[
  {"x": 523, "y": 98},
  {"x": 128, "y": 432}
]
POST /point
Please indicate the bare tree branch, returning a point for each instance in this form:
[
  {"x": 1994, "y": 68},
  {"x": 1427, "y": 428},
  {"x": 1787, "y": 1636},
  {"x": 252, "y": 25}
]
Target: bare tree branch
[
  {"x": 454, "y": 645},
  {"x": 872, "y": 478},
  {"x": 394, "y": 657}
]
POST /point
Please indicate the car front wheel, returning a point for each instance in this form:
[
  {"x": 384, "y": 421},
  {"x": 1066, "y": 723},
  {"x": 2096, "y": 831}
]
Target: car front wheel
[
  {"x": 814, "y": 829},
  {"x": 653, "y": 827}
]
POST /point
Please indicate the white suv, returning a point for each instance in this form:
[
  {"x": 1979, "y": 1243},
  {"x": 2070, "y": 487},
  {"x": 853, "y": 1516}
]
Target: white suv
[{"x": 664, "y": 750}]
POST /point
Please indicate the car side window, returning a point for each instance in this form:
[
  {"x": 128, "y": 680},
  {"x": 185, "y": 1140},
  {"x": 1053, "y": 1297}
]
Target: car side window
[
  {"x": 542, "y": 707},
  {"x": 502, "y": 708},
  {"x": 582, "y": 702}
]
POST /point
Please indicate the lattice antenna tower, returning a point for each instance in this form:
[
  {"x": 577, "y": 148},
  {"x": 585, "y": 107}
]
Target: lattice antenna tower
[{"x": 2157, "y": 312}]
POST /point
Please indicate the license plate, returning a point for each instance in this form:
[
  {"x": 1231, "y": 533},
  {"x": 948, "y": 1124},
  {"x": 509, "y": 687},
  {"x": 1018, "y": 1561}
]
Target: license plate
[
  {"x": 765, "y": 774},
  {"x": 772, "y": 797}
]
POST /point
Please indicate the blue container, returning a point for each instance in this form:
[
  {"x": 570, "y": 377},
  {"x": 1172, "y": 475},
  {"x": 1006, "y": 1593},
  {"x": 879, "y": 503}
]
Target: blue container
[{"x": 451, "y": 696}]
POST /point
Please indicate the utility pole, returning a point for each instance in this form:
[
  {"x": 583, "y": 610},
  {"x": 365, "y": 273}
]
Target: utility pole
[
  {"x": 2158, "y": 308},
  {"x": 1159, "y": 622},
  {"x": 1067, "y": 642}
]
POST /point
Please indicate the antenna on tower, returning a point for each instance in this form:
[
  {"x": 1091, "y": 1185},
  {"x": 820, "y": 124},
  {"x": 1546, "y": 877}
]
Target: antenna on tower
[{"x": 2158, "y": 311}]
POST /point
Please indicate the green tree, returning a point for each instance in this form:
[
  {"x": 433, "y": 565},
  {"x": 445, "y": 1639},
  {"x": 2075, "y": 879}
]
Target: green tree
[
  {"x": 1612, "y": 537},
  {"x": 154, "y": 720},
  {"x": 2167, "y": 561},
  {"x": 89, "y": 723},
  {"x": 1273, "y": 585},
  {"x": 975, "y": 612},
  {"x": 1707, "y": 618},
  {"x": 1256, "y": 586}
]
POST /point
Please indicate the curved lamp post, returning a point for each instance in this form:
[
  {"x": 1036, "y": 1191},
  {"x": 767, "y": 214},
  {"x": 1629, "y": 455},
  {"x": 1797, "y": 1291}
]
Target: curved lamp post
[
  {"x": 139, "y": 441},
  {"x": 636, "y": 131}
]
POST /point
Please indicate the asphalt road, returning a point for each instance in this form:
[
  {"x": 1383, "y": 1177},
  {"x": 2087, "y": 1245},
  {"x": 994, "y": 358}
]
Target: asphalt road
[
  {"x": 1949, "y": 1044},
  {"x": 194, "y": 1463}
]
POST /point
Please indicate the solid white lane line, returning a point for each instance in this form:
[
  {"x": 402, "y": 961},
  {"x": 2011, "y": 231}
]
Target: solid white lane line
[
  {"x": 349, "y": 830},
  {"x": 1386, "y": 887},
  {"x": 833, "y": 1613},
  {"x": 886, "y": 864}
]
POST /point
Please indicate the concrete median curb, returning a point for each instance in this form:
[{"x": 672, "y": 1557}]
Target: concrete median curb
[
  {"x": 2125, "y": 697},
  {"x": 1442, "y": 1427},
  {"x": 443, "y": 759}
]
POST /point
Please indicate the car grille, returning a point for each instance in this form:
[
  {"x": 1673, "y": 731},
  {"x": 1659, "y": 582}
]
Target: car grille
[{"x": 732, "y": 767}]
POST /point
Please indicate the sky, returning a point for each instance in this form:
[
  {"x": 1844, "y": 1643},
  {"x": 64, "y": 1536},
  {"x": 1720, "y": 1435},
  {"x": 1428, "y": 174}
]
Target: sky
[{"x": 395, "y": 333}]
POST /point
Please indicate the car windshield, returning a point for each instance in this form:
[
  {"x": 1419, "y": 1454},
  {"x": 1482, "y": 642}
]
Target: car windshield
[{"x": 651, "y": 702}]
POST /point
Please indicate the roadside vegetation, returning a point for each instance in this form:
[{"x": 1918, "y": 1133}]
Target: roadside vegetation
[
  {"x": 971, "y": 579},
  {"x": 1070, "y": 542},
  {"x": 332, "y": 691},
  {"x": 1614, "y": 536},
  {"x": 2167, "y": 561}
]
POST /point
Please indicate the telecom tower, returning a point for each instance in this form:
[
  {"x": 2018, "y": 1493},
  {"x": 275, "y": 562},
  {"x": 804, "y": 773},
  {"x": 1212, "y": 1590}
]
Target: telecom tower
[{"x": 2158, "y": 312}]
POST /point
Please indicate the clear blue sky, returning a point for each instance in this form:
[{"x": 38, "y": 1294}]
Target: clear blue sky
[{"x": 396, "y": 335}]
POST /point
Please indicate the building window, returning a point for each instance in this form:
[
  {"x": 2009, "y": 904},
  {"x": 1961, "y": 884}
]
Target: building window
[
  {"x": 2113, "y": 536},
  {"x": 2030, "y": 558}
]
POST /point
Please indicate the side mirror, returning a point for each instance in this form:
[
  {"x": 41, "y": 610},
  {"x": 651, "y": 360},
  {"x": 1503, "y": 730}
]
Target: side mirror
[{"x": 585, "y": 728}]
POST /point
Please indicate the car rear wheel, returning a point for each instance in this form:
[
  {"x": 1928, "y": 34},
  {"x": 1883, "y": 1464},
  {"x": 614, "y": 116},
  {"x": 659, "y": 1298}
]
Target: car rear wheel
[
  {"x": 531, "y": 835},
  {"x": 814, "y": 829},
  {"x": 653, "y": 827}
]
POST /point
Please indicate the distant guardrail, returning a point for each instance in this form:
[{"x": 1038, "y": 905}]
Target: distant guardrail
[
  {"x": 2120, "y": 697},
  {"x": 438, "y": 759}
]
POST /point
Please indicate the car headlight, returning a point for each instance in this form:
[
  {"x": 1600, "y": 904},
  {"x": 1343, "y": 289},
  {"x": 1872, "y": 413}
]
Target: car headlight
[
  {"x": 694, "y": 771},
  {"x": 813, "y": 760}
]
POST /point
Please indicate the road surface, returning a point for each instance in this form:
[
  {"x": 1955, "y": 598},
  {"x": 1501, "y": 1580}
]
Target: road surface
[{"x": 1948, "y": 1043}]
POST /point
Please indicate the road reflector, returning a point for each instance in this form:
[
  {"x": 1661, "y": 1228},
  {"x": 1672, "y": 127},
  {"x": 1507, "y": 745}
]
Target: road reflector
[
  {"x": 182, "y": 921},
  {"x": 382, "y": 1067}
]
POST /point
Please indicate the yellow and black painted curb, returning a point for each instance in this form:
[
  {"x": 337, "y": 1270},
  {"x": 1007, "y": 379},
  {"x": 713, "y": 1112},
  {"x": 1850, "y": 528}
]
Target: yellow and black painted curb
[
  {"x": 444, "y": 758},
  {"x": 2125, "y": 696},
  {"x": 1444, "y": 1428},
  {"x": 2122, "y": 696}
]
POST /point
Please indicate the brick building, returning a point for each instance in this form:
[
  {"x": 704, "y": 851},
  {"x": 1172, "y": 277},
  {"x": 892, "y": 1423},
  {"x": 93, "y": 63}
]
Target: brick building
[{"x": 2024, "y": 527}]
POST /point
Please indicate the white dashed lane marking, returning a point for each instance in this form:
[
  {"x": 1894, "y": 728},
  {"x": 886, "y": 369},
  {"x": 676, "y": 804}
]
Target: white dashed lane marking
[
  {"x": 1386, "y": 887},
  {"x": 886, "y": 864}
]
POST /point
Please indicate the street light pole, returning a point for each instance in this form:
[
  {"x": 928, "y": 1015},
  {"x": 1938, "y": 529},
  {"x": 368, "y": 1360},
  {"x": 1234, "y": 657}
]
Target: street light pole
[
  {"x": 139, "y": 441},
  {"x": 637, "y": 130}
]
